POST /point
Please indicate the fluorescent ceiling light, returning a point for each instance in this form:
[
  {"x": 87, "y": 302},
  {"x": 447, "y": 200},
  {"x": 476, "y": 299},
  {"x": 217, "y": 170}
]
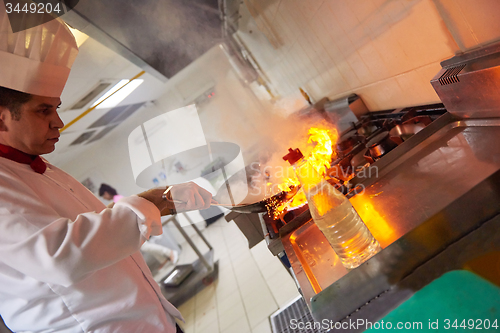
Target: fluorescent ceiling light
[{"x": 119, "y": 96}]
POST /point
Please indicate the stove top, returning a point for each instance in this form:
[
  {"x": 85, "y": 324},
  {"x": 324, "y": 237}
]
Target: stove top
[
  {"x": 360, "y": 147},
  {"x": 373, "y": 137}
]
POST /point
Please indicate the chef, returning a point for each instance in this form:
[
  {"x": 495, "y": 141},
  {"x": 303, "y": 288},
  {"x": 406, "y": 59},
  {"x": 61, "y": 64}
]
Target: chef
[{"x": 68, "y": 263}]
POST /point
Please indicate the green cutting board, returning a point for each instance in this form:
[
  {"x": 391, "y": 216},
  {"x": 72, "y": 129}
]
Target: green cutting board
[{"x": 458, "y": 301}]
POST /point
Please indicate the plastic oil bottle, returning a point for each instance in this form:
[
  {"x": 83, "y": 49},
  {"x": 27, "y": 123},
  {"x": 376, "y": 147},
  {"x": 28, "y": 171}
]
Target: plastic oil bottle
[{"x": 334, "y": 214}]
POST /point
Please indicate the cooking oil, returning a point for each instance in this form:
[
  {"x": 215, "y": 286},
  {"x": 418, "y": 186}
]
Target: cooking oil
[
  {"x": 334, "y": 215},
  {"x": 343, "y": 228}
]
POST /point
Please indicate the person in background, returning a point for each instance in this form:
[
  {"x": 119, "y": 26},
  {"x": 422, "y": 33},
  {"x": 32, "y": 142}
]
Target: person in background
[
  {"x": 67, "y": 262},
  {"x": 161, "y": 253},
  {"x": 109, "y": 193}
]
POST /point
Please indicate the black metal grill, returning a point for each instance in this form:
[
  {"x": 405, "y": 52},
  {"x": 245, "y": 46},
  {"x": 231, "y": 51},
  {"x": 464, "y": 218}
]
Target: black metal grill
[
  {"x": 281, "y": 321},
  {"x": 451, "y": 75}
]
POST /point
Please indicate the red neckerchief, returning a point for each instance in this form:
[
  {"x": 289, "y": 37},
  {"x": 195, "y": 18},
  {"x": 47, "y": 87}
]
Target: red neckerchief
[{"x": 34, "y": 161}]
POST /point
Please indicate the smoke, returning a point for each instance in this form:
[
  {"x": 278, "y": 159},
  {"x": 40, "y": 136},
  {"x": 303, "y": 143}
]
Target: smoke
[{"x": 264, "y": 130}]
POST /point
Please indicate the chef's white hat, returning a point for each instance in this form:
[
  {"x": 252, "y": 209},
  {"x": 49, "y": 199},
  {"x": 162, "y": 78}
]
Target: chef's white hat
[{"x": 37, "y": 60}]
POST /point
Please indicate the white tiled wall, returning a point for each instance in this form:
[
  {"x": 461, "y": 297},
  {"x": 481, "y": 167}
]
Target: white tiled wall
[
  {"x": 386, "y": 51},
  {"x": 471, "y": 23}
]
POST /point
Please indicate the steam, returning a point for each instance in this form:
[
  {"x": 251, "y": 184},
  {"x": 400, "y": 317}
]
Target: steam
[{"x": 263, "y": 130}]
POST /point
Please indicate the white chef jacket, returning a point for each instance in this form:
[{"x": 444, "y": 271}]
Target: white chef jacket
[{"x": 69, "y": 264}]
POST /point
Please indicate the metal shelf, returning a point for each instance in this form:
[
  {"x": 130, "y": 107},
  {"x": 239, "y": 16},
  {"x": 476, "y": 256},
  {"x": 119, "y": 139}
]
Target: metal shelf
[{"x": 205, "y": 268}]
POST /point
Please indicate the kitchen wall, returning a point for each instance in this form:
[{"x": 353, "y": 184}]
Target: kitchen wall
[{"x": 386, "y": 51}]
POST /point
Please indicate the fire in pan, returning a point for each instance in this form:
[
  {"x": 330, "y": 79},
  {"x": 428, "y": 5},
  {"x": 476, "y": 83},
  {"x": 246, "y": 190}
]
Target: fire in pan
[{"x": 256, "y": 201}]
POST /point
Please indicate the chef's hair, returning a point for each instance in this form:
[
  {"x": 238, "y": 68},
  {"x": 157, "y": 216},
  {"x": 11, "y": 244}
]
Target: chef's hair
[
  {"x": 107, "y": 188},
  {"x": 12, "y": 100}
]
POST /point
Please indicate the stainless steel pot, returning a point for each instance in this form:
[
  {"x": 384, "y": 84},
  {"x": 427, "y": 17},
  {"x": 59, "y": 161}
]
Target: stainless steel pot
[{"x": 380, "y": 145}]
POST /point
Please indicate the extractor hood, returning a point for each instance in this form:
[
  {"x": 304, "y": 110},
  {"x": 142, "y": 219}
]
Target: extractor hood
[{"x": 161, "y": 37}]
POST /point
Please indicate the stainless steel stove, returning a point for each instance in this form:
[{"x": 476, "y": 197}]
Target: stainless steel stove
[
  {"x": 373, "y": 137},
  {"x": 425, "y": 180}
]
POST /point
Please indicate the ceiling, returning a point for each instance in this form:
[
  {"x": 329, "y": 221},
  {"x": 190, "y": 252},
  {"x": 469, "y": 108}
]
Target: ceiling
[
  {"x": 94, "y": 65},
  {"x": 159, "y": 37}
]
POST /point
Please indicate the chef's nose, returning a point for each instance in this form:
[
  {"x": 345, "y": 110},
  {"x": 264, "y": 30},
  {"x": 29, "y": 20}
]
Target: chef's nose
[{"x": 56, "y": 121}]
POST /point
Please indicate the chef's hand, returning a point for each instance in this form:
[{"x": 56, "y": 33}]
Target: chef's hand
[
  {"x": 183, "y": 197},
  {"x": 189, "y": 196},
  {"x": 155, "y": 196}
]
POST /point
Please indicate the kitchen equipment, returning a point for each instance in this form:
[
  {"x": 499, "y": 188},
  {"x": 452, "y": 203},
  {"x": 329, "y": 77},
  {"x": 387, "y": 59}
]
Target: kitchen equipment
[
  {"x": 404, "y": 131},
  {"x": 347, "y": 142},
  {"x": 177, "y": 275},
  {"x": 345, "y": 111},
  {"x": 430, "y": 192},
  {"x": 468, "y": 83},
  {"x": 348, "y": 167},
  {"x": 379, "y": 145},
  {"x": 256, "y": 201},
  {"x": 184, "y": 281},
  {"x": 261, "y": 205},
  {"x": 432, "y": 201},
  {"x": 244, "y": 208}
]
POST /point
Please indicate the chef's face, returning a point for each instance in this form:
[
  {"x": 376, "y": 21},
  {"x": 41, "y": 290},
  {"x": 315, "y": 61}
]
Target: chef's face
[{"x": 37, "y": 130}]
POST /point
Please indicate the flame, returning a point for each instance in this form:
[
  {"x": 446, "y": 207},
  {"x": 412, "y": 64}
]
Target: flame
[
  {"x": 322, "y": 154},
  {"x": 287, "y": 183},
  {"x": 298, "y": 199},
  {"x": 320, "y": 158}
]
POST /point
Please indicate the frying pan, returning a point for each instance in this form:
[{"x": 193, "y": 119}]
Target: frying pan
[
  {"x": 261, "y": 205},
  {"x": 255, "y": 207},
  {"x": 253, "y": 203}
]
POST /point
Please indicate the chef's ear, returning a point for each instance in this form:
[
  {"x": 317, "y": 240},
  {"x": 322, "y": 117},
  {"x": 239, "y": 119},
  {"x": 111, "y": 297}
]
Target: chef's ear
[{"x": 4, "y": 114}]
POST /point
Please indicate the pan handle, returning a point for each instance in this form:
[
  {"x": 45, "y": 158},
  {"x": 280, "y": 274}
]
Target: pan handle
[{"x": 212, "y": 203}]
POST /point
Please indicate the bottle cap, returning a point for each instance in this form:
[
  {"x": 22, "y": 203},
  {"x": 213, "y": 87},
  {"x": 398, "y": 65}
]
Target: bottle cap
[{"x": 293, "y": 155}]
